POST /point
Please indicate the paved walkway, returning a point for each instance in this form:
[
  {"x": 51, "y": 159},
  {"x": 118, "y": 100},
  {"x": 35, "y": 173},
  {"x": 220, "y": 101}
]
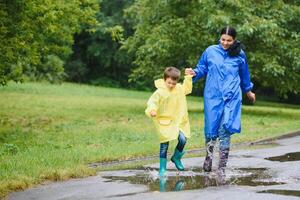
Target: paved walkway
[{"x": 249, "y": 176}]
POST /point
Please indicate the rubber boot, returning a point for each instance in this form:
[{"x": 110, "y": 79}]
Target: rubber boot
[
  {"x": 223, "y": 159},
  {"x": 162, "y": 184},
  {"x": 207, "y": 165},
  {"x": 179, "y": 185},
  {"x": 162, "y": 167},
  {"x": 176, "y": 159},
  {"x": 222, "y": 165}
]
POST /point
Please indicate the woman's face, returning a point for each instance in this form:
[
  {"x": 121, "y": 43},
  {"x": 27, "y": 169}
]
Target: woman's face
[{"x": 226, "y": 41}]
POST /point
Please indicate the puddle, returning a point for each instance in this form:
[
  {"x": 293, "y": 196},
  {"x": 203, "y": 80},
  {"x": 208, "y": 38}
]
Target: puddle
[
  {"x": 254, "y": 177},
  {"x": 283, "y": 192},
  {"x": 286, "y": 157},
  {"x": 196, "y": 179},
  {"x": 122, "y": 195}
]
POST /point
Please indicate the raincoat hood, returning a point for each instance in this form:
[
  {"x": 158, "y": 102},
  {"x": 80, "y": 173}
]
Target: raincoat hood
[{"x": 160, "y": 84}]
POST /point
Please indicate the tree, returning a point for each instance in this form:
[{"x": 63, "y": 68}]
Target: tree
[
  {"x": 176, "y": 32},
  {"x": 33, "y": 30},
  {"x": 98, "y": 53}
]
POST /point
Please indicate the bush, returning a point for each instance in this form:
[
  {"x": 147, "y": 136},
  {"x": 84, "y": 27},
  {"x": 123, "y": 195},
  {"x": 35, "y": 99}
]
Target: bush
[
  {"x": 52, "y": 70},
  {"x": 76, "y": 70},
  {"x": 105, "y": 82}
]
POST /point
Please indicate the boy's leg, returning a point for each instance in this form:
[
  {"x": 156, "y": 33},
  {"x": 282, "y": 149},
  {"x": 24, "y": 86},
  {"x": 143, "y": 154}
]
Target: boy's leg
[
  {"x": 163, "y": 158},
  {"x": 176, "y": 158},
  {"x": 181, "y": 141},
  {"x": 163, "y": 150}
]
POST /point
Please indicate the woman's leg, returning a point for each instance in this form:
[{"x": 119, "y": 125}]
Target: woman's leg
[
  {"x": 178, "y": 153},
  {"x": 224, "y": 138},
  {"x": 210, "y": 144},
  {"x": 163, "y": 158}
]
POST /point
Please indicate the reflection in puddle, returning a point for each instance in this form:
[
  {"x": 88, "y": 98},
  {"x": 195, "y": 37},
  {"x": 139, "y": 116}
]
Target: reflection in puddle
[
  {"x": 286, "y": 157},
  {"x": 190, "y": 180},
  {"x": 283, "y": 192}
]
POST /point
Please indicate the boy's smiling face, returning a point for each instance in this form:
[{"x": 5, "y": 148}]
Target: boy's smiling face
[{"x": 170, "y": 83}]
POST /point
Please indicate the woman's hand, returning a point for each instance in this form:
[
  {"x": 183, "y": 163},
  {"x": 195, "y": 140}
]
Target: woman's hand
[
  {"x": 189, "y": 71},
  {"x": 251, "y": 96}
]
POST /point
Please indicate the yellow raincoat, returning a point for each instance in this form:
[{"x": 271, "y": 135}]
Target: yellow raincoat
[{"x": 171, "y": 108}]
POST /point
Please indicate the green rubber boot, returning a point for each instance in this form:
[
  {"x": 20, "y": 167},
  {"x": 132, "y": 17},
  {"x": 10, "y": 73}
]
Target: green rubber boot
[
  {"x": 162, "y": 167},
  {"x": 179, "y": 185},
  {"x": 162, "y": 183},
  {"x": 176, "y": 159}
]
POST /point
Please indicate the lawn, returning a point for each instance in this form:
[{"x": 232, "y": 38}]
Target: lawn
[{"x": 51, "y": 132}]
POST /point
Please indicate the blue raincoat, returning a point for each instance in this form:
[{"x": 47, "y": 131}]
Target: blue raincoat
[{"x": 226, "y": 78}]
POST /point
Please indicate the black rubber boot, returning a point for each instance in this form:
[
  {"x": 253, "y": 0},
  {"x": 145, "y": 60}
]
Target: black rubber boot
[
  {"x": 222, "y": 165},
  {"x": 223, "y": 160},
  {"x": 209, "y": 156}
]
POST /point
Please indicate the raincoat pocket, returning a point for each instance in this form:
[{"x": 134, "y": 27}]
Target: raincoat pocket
[{"x": 164, "y": 121}]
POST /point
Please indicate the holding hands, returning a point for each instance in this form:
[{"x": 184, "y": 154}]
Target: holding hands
[{"x": 189, "y": 71}]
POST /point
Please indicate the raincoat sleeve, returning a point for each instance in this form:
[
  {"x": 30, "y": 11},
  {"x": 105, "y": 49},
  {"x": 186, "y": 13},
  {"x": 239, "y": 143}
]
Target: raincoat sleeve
[
  {"x": 187, "y": 84},
  {"x": 246, "y": 84},
  {"x": 201, "y": 67},
  {"x": 153, "y": 103}
]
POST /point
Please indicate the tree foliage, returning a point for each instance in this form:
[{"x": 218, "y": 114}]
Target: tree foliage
[
  {"x": 98, "y": 54},
  {"x": 176, "y": 33},
  {"x": 33, "y": 30},
  {"x": 53, "y": 39}
]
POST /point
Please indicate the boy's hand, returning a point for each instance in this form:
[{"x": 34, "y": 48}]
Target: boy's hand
[
  {"x": 251, "y": 96},
  {"x": 189, "y": 71},
  {"x": 153, "y": 113}
]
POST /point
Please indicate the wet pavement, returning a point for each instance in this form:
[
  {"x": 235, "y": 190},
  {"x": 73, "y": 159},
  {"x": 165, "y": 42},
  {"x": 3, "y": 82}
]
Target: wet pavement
[
  {"x": 254, "y": 173},
  {"x": 295, "y": 156}
]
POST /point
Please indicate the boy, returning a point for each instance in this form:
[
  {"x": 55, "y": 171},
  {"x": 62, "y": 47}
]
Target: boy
[{"x": 168, "y": 108}]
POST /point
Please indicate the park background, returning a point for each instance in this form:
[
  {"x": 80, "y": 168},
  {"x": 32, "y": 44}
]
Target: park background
[{"x": 76, "y": 76}]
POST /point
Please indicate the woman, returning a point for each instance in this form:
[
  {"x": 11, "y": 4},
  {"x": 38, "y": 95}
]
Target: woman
[{"x": 227, "y": 76}]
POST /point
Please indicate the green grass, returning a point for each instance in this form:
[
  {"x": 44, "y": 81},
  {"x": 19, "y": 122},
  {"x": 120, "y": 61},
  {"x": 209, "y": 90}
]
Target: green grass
[{"x": 51, "y": 132}]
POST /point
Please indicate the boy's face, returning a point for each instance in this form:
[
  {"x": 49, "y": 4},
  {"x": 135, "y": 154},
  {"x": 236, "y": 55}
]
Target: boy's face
[{"x": 170, "y": 83}]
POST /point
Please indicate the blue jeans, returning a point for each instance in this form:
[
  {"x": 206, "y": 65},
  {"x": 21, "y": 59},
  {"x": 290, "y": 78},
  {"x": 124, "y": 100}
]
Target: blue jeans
[
  {"x": 180, "y": 145},
  {"x": 224, "y": 137}
]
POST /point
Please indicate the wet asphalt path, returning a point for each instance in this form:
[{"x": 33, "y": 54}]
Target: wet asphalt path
[{"x": 260, "y": 172}]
